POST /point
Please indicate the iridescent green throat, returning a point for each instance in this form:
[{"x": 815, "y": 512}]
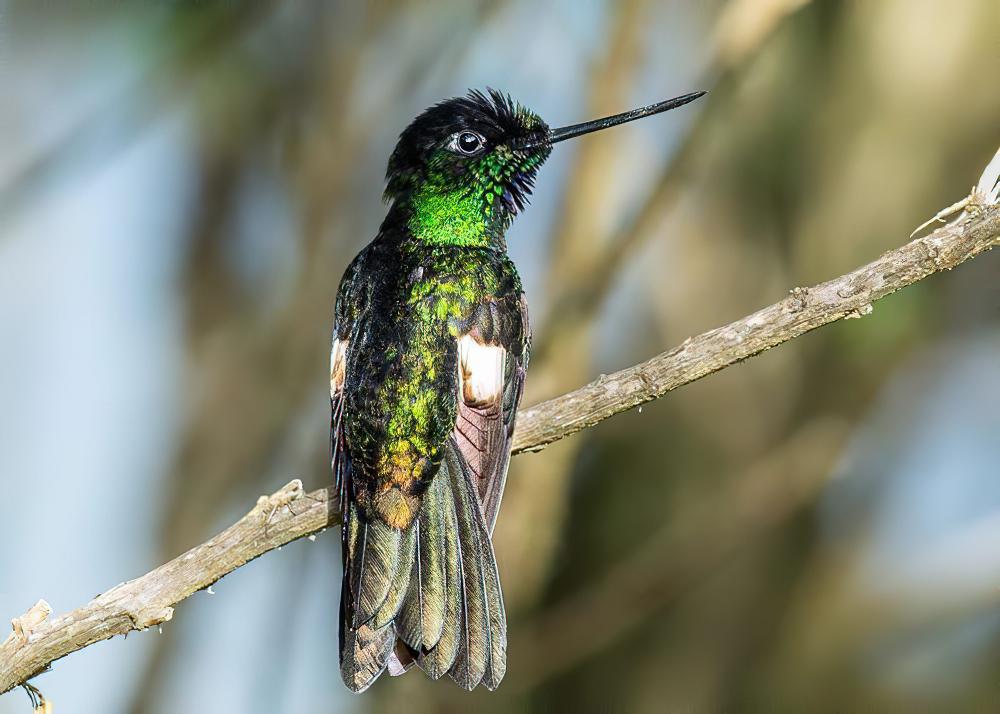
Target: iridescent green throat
[{"x": 450, "y": 215}]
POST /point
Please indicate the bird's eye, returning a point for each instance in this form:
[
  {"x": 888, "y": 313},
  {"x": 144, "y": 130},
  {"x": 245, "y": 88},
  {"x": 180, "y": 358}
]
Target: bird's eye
[{"x": 467, "y": 142}]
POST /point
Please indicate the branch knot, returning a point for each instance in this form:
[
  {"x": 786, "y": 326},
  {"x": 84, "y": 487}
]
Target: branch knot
[{"x": 25, "y": 624}]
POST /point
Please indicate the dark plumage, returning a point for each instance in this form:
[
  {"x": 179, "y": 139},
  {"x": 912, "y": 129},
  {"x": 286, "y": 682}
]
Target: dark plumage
[
  {"x": 427, "y": 367},
  {"x": 429, "y": 356}
]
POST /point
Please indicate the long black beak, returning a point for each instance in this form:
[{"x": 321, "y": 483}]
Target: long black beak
[{"x": 568, "y": 132}]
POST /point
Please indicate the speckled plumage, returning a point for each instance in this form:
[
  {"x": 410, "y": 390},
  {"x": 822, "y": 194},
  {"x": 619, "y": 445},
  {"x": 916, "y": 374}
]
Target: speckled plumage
[
  {"x": 431, "y": 344},
  {"x": 402, "y": 384},
  {"x": 427, "y": 367}
]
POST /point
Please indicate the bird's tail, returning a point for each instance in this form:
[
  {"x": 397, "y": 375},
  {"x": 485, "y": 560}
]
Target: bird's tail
[{"x": 429, "y": 593}]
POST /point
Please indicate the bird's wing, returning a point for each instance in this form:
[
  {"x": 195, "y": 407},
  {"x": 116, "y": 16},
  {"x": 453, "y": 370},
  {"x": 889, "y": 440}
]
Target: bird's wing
[
  {"x": 349, "y": 295},
  {"x": 429, "y": 590},
  {"x": 492, "y": 362},
  {"x": 338, "y": 372},
  {"x": 364, "y": 648}
]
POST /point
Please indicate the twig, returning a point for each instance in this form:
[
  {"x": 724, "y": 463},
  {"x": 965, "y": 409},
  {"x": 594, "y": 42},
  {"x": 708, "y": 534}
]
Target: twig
[
  {"x": 805, "y": 309},
  {"x": 150, "y": 599},
  {"x": 39, "y": 704}
]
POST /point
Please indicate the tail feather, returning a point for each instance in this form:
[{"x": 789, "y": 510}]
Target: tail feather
[
  {"x": 363, "y": 648},
  {"x": 474, "y": 645},
  {"x": 401, "y": 660},
  {"x": 430, "y": 591},
  {"x": 498, "y": 620},
  {"x": 438, "y": 659},
  {"x": 364, "y": 654},
  {"x": 409, "y": 622},
  {"x": 376, "y": 568},
  {"x": 435, "y": 550},
  {"x": 422, "y": 615},
  {"x": 400, "y": 582}
]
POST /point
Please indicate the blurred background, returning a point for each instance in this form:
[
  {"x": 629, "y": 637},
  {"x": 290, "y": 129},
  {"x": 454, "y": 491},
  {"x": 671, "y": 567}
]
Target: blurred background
[{"x": 182, "y": 184}]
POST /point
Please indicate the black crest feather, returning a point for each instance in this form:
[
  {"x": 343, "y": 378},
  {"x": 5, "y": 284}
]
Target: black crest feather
[{"x": 491, "y": 113}]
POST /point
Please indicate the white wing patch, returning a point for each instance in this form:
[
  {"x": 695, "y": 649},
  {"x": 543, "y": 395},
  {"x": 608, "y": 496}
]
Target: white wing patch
[
  {"x": 481, "y": 369},
  {"x": 338, "y": 366}
]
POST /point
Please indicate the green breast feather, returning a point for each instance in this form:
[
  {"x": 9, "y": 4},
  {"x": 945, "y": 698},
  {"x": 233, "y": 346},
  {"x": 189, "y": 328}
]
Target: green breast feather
[{"x": 413, "y": 409}]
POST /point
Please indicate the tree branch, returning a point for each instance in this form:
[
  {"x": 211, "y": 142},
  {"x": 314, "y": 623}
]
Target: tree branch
[
  {"x": 149, "y": 600},
  {"x": 290, "y": 513},
  {"x": 805, "y": 309}
]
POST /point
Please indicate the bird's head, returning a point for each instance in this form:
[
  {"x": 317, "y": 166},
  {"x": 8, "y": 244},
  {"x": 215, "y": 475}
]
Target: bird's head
[
  {"x": 467, "y": 148},
  {"x": 466, "y": 166}
]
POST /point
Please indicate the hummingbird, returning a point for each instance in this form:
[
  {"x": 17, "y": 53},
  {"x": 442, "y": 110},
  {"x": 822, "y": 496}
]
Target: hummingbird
[{"x": 427, "y": 366}]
